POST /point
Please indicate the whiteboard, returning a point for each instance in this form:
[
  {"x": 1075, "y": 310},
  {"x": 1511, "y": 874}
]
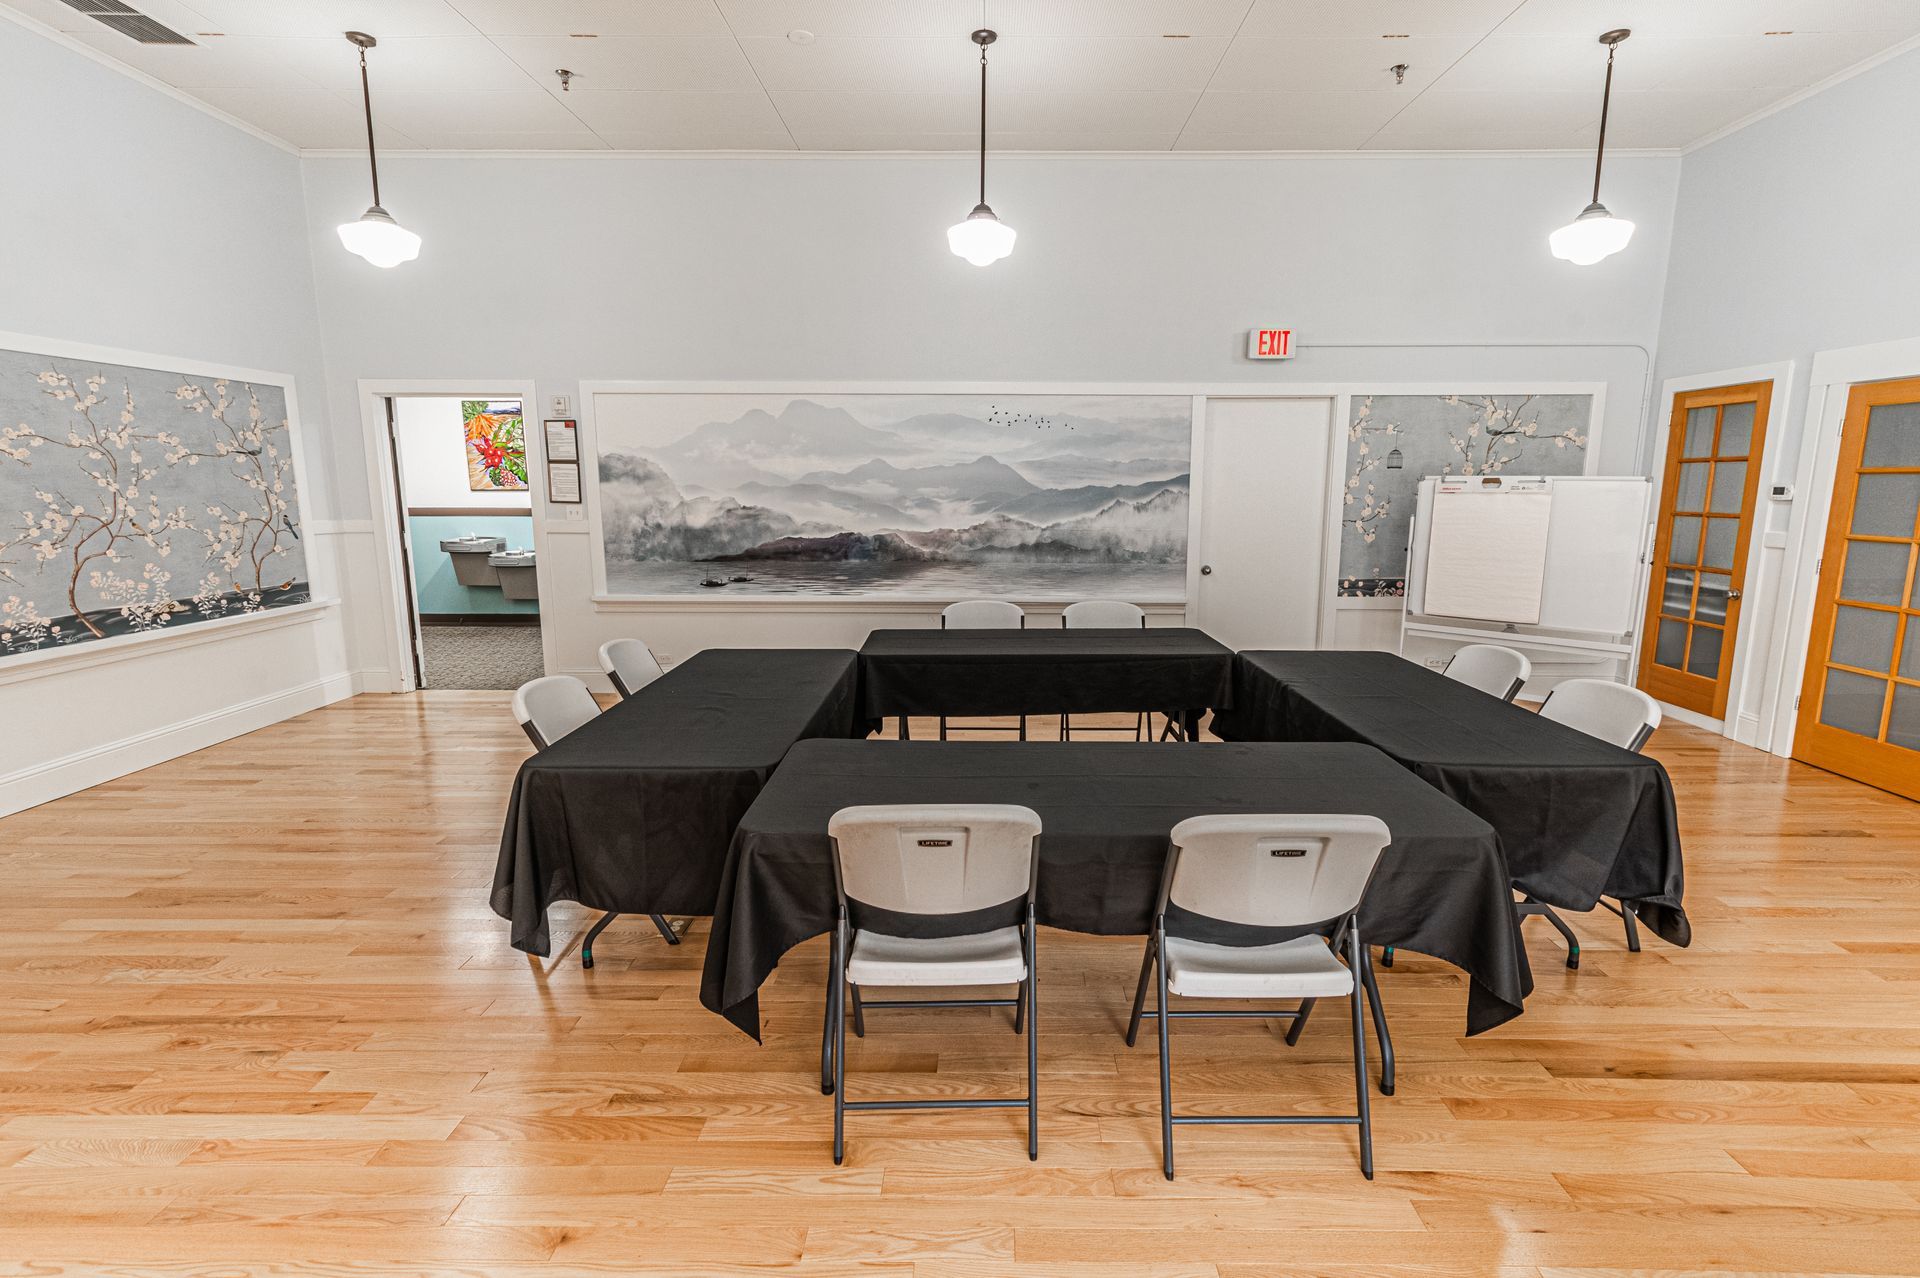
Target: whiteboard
[
  {"x": 1487, "y": 551},
  {"x": 1588, "y": 557}
]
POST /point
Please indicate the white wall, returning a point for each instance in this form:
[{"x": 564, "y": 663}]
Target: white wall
[
  {"x": 812, "y": 269},
  {"x": 137, "y": 222},
  {"x": 433, "y": 457},
  {"x": 1792, "y": 236}
]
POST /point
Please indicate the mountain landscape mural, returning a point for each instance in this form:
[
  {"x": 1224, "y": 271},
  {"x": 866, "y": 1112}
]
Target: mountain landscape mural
[{"x": 1037, "y": 496}]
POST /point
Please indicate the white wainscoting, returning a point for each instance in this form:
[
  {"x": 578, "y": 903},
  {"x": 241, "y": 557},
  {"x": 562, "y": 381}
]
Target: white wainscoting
[{"x": 77, "y": 717}]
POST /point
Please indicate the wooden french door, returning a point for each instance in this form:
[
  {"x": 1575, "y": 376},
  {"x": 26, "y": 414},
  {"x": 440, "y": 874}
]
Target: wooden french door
[
  {"x": 1860, "y": 700},
  {"x": 1700, "y": 545}
]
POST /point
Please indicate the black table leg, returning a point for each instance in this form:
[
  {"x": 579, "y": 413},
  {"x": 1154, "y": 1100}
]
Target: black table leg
[
  {"x": 1379, "y": 1021},
  {"x": 1190, "y": 724},
  {"x": 826, "y": 1029}
]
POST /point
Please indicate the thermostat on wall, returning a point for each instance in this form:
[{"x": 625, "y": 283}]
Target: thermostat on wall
[{"x": 1781, "y": 492}]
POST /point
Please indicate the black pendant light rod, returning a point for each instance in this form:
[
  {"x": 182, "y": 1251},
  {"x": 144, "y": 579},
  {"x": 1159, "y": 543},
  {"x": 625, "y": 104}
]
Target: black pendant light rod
[
  {"x": 983, "y": 38},
  {"x": 1612, "y": 40},
  {"x": 365, "y": 42}
]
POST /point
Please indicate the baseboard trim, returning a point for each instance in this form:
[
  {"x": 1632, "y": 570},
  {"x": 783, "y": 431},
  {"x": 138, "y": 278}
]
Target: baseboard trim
[
  {"x": 479, "y": 619},
  {"x": 58, "y": 778}
]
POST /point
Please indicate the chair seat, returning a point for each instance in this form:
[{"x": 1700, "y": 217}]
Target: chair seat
[
  {"x": 984, "y": 958},
  {"x": 1301, "y": 968}
]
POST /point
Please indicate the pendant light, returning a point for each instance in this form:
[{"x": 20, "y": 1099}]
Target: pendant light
[
  {"x": 982, "y": 238},
  {"x": 376, "y": 236},
  {"x": 1596, "y": 233}
]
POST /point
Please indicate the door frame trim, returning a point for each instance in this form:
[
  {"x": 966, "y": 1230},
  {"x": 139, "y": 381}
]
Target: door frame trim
[
  {"x": 1757, "y": 614},
  {"x": 1834, "y": 375}
]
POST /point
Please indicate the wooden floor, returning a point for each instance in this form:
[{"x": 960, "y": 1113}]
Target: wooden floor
[{"x": 257, "y": 1016}]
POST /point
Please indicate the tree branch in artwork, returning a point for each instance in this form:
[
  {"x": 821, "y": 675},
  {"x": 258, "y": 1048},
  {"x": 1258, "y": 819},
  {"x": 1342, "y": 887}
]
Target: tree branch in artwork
[
  {"x": 243, "y": 541},
  {"x": 1492, "y": 437},
  {"x": 1364, "y": 508},
  {"x": 97, "y": 524}
]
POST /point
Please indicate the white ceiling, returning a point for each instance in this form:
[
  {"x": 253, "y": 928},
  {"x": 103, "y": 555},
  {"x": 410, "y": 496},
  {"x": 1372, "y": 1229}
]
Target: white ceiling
[{"x": 1082, "y": 75}]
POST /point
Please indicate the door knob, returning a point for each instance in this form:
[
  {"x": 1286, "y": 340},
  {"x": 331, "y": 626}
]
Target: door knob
[
  {"x": 1731, "y": 594},
  {"x": 1206, "y": 570}
]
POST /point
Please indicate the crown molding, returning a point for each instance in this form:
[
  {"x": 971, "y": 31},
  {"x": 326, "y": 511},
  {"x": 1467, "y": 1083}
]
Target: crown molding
[
  {"x": 86, "y": 50},
  {"x": 1795, "y": 98}
]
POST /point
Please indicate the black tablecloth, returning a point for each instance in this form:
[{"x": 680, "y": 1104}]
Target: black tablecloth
[
  {"x": 1042, "y": 671},
  {"x": 1578, "y": 818},
  {"x": 633, "y": 812},
  {"x": 1107, "y": 809}
]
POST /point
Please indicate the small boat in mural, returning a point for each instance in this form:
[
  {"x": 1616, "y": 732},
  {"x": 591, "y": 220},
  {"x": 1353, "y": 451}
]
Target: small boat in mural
[
  {"x": 712, "y": 582},
  {"x": 737, "y": 580}
]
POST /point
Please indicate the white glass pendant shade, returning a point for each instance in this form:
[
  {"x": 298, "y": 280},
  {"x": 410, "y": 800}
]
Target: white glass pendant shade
[
  {"x": 1594, "y": 235},
  {"x": 982, "y": 239},
  {"x": 379, "y": 239}
]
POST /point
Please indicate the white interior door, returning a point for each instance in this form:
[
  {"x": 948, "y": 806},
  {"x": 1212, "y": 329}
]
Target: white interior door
[{"x": 1262, "y": 501}]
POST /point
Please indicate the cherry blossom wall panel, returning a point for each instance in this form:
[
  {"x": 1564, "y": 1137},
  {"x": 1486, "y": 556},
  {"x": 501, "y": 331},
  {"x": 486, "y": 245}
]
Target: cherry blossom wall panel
[
  {"x": 138, "y": 499},
  {"x": 1394, "y": 441}
]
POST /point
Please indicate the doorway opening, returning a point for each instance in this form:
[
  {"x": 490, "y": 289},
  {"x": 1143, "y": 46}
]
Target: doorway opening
[{"x": 464, "y": 501}]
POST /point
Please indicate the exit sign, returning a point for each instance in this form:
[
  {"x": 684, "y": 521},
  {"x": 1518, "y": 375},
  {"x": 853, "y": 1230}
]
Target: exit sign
[{"x": 1270, "y": 343}]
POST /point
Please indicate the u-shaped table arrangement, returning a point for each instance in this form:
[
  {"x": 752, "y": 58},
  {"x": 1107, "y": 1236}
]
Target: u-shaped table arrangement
[{"x": 708, "y": 792}]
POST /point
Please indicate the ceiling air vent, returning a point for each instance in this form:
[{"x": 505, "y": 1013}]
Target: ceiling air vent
[{"x": 128, "y": 21}]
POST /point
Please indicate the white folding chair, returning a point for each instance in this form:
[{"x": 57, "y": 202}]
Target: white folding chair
[
  {"x": 979, "y": 614},
  {"x": 630, "y": 664},
  {"x": 1302, "y": 872},
  {"x": 1103, "y": 614},
  {"x": 931, "y": 863},
  {"x": 548, "y": 709},
  {"x": 551, "y": 707},
  {"x": 1497, "y": 671},
  {"x": 1613, "y": 712},
  {"x": 1618, "y": 715}
]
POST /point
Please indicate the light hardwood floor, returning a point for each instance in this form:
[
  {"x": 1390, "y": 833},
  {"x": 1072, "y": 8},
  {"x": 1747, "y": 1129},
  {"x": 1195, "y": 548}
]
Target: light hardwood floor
[{"x": 256, "y": 1015}]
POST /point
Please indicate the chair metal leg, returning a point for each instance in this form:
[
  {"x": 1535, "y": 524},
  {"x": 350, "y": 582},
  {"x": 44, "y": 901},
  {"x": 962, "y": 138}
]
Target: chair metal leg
[
  {"x": 905, "y": 733},
  {"x": 1023, "y": 727},
  {"x": 1386, "y": 956},
  {"x": 1142, "y": 726},
  {"x": 1300, "y": 1020},
  {"x": 1140, "y": 993},
  {"x": 1033, "y": 1050},
  {"x": 1379, "y": 1011},
  {"x": 666, "y": 929},
  {"x": 586, "y": 946},
  {"x": 839, "y": 1049},
  {"x": 1528, "y": 907},
  {"x": 1166, "y": 1071},
  {"x": 1356, "y": 959},
  {"x": 943, "y": 727},
  {"x": 859, "y": 1012}
]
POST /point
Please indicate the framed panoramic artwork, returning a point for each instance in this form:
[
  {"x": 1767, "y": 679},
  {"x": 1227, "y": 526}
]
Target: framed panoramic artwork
[
  {"x": 1395, "y": 440},
  {"x": 910, "y": 494},
  {"x": 496, "y": 445},
  {"x": 140, "y": 497}
]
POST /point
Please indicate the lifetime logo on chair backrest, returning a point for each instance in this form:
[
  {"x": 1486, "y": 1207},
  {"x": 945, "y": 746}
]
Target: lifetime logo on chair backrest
[{"x": 936, "y": 859}]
